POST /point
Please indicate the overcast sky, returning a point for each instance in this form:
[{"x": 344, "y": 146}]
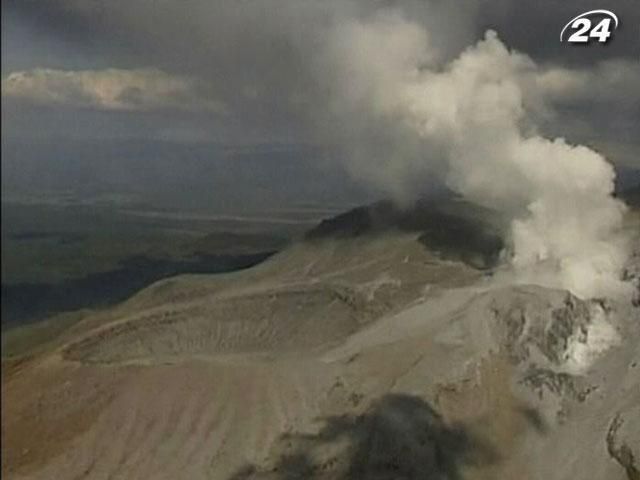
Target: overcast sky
[{"x": 254, "y": 71}]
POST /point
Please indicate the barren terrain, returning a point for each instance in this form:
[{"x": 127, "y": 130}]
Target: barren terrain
[{"x": 360, "y": 357}]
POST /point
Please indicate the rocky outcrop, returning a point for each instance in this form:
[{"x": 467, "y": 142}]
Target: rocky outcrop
[{"x": 620, "y": 451}]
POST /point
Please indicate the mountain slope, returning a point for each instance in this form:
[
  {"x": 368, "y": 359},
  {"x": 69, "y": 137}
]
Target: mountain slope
[{"x": 363, "y": 356}]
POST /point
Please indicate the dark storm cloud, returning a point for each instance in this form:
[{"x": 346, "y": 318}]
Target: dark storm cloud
[
  {"x": 147, "y": 27},
  {"x": 534, "y": 28},
  {"x": 260, "y": 58},
  {"x": 254, "y": 55}
]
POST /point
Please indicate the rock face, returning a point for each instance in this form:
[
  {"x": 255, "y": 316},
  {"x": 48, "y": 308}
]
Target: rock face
[
  {"x": 620, "y": 450},
  {"x": 452, "y": 228},
  {"x": 366, "y": 357}
]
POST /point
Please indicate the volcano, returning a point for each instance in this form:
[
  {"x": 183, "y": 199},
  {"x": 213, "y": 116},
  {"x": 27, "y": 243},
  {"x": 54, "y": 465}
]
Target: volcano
[{"x": 366, "y": 350}]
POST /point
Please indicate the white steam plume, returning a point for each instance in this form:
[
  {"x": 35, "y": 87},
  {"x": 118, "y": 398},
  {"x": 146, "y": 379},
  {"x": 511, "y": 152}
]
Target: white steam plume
[{"x": 473, "y": 112}]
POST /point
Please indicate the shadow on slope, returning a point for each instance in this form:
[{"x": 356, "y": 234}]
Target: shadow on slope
[
  {"x": 23, "y": 303},
  {"x": 454, "y": 229},
  {"x": 400, "y": 436}
]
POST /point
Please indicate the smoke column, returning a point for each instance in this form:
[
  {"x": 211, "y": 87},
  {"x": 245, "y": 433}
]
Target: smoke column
[{"x": 473, "y": 112}]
